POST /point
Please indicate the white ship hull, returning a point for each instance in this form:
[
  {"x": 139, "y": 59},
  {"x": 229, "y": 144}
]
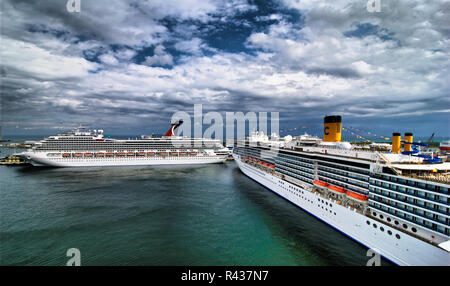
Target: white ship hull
[
  {"x": 407, "y": 250},
  {"x": 40, "y": 159}
]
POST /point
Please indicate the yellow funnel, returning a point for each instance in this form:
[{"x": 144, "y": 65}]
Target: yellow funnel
[
  {"x": 408, "y": 138},
  {"x": 396, "y": 142},
  {"x": 332, "y": 128}
]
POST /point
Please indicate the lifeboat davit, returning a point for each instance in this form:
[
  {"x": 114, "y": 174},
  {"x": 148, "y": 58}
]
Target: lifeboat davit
[
  {"x": 320, "y": 183},
  {"x": 336, "y": 189},
  {"x": 359, "y": 197}
]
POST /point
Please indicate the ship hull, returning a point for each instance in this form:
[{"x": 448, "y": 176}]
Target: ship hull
[
  {"x": 407, "y": 250},
  {"x": 42, "y": 160}
]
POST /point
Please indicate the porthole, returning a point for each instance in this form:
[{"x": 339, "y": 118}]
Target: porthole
[
  {"x": 374, "y": 225},
  {"x": 382, "y": 228},
  {"x": 389, "y": 232},
  {"x": 396, "y": 222},
  {"x": 389, "y": 219},
  {"x": 374, "y": 214},
  {"x": 368, "y": 222},
  {"x": 381, "y": 216},
  {"x": 397, "y": 236},
  {"x": 414, "y": 229},
  {"x": 405, "y": 226}
]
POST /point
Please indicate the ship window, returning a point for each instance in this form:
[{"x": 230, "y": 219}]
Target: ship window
[
  {"x": 374, "y": 214},
  {"x": 396, "y": 222},
  {"x": 374, "y": 225},
  {"x": 397, "y": 236},
  {"x": 414, "y": 229},
  {"x": 389, "y": 219},
  {"x": 368, "y": 222},
  {"x": 381, "y": 216},
  {"x": 405, "y": 226},
  {"x": 389, "y": 232}
]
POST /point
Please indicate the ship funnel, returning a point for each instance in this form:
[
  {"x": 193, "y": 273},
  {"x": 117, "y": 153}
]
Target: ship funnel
[
  {"x": 396, "y": 141},
  {"x": 332, "y": 128},
  {"x": 409, "y": 139},
  {"x": 174, "y": 128}
]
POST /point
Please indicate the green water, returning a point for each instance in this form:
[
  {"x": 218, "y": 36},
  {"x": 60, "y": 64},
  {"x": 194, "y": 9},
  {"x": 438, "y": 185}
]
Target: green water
[{"x": 204, "y": 215}]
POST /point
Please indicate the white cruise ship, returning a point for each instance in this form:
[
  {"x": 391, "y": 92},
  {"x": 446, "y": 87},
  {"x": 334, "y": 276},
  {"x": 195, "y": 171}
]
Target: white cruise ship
[
  {"x": 394, "y": 202},
  {"x": 82, "y": 148}
]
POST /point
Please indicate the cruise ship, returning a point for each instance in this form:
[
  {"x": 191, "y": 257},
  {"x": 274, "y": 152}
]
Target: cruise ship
[
  {"x": 395, "y": 202},
  {"x": 86, "y": 148}
]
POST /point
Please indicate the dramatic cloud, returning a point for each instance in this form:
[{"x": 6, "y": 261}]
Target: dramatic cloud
[{"x": 129, "y": 65}]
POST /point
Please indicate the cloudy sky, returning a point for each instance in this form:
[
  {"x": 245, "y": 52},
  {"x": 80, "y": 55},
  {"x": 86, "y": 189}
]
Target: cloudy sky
[{"x": 127, "y": 66}]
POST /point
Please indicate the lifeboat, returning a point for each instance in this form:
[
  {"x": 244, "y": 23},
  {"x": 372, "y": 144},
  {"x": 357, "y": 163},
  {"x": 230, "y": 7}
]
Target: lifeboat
[
  {"x": 320, "y": 183},
  {"x": 183, "y": 153},
  {"x": 193, "y": 153},
  {"x": 65, "y": 155},
  {"x": 336, "y": 189},
  {"x": 120, "y": 154},
  {"x": 359, "y": 197},
  {"x": 78, "y": 155},
  {"x": 174, "y": 153},
  {"x": 109, "y": 154},
  {"x": 141, "y": 154},
  {"x": 99, "y": 154},
  {"x": 162, "y": 153},
  {"x": 88, "y": 154},
  {"x": 150, "y": 153},
  {"x": 130, "y": 154}
]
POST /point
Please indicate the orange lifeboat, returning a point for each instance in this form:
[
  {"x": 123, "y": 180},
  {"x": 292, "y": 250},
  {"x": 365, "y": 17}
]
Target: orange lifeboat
[
  {"x": 357, "y": 196},
  {"x": 150, "y": 153},
  {"x": 120, "y": 154},
  {"x": 88, "y": 154},
  {"x": 193, "y": 153},
  {"x": 141, "y": 154},
  {"x": 320, "y": 183},
  {"x": 162, "y": 153},
  {"x": 78, "y": 155},
  {"x": 99, "y": 154},
  {"x": 130, "y": 154},
  {"x": 174, "y": 153},
  {"x": 183, "y": 153},
  {"x": 336, "y": 189},
  {"x": 65, "y": 155},
  {"x": 109, "y": 154}
]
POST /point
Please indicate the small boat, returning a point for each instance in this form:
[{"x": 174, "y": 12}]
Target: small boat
[
  {"x": 162, "y": 153},
  {"x": 78, "y": 155},
  {"x": 65, "y": 155},
  {"x": 320, "y": 183},
  {"x": 88, "y": 154},
  {"x": 121, "y": 154},
  {"x": 359, "y": 197},
  {"x": 109, "y": 154},
  {"x": 193, "y": 153},
  {"x": 150, "y": 153},
  {"x": 183, "y": 153},
  {"x": 174, "y": 153},
  {"x": 99, "y": 154},
  {"x": 141, "y": 154},
  {"x": 130, "y": 154},
  {"x": 336, "y": 189}
]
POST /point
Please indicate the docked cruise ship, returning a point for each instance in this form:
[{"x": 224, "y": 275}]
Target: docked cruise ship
[
  {"x": 83, "y": 148},
  {"x": 395, "y": 202}
]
